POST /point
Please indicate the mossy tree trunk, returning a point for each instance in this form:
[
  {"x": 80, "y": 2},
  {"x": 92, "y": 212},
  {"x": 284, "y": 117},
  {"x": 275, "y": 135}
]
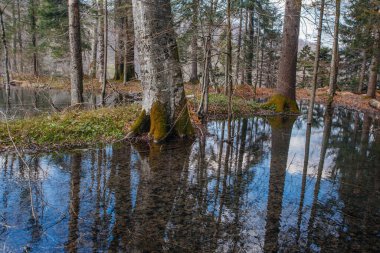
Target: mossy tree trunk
[
  {"x": 285, "y": 96},
  {"x": 164, "y": 103}
]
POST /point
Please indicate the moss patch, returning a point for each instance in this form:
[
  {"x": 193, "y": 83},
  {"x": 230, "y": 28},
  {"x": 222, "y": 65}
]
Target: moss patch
[
  {"x": 183, "y": 126},
  {"x": 72, "y": 128},
  {"x": 282, "y": 104},
  {"x": 141, "y": 124},
  {"x": 158, "y": 122}
]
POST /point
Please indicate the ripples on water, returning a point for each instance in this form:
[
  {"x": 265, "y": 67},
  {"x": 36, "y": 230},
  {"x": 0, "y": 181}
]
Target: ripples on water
[{"x": 261, "y": 193}]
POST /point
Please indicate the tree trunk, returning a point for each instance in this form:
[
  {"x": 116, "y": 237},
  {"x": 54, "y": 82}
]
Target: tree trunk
[
  {"x": 76, "y": 72},
  {"x": 285, "y": 99},
  {"x": 316, "y": 63},
  {"x": 239, "y": 44},
  {"x": 14, "y": 38},
  {"x": 249, "y": 46},
  {"x": 20, "y": 37},
  {"x": 105, "y": 53},
  {"x": 119, "y": 29},
  {"x": 33, "y": 24},
  {"x": 374, "y": 68},
  {"x": 362, "y": 71},
  {"x": 229, "y": 67},
  {"x": 129, "y": 45},
  {"x": 335, "y": 56},
  {"x": 164, "y": 103},
  {"x": 101, "y": 40},
  {"x": 6, "y": 54},
  {"x": 194, "y": 43},
  {"x": 94, "y": 43}
]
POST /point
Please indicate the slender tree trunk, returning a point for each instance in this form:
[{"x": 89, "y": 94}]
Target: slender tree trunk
[
  {"x": 94, "y": 43},
  {"x": 229, "y": 67},
  {"x": 101, "y": 40},
  {"x": 285, "y": 99},
  {"x": 164, "y": 103},
  {"x": 238, "y": 56},
  {"x": 129, "y": 58},
  {"x": 76, "y": 72},
  {"x": 250, "y": 42},
  {"x": 33, "y": 24},
  {"x": 257, "y": 53},
  {"x": 374, "y": 68},
  {"x": 14, "y": 38},
  {"x": 316, "y": 63},
  {"x": 105, "y": 53},
  {"x": 194, "y": 43},
  {"x": 362, "y": 71},
  {"x": 6, "y": 54},
  {"x": 19, "y": 34},
  {"x": 119, "y": 29},
  {"x": 335, "y": 56}
]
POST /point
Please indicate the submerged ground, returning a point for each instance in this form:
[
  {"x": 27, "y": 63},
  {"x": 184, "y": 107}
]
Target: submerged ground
[{"x": 260, "y": 193}]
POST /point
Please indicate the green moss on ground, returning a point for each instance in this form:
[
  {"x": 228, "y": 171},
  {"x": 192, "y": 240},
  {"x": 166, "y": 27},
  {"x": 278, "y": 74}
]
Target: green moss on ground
[
  {"x": 71, "y": 128},
  {"x": 282, "y": 104}
]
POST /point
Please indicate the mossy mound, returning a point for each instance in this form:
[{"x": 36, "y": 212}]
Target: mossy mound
[
  {"x": 141, "y": 125},
  {"x": 183, "y": 126},
  {"x": 158, "y": 122},
  {"x": 282, "y": 104}
]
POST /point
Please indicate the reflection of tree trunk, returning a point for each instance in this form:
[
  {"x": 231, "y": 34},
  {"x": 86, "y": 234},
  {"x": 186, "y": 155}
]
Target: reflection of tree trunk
[
  {"x": 281, "y": 134},
  {"x": 123, "y": 205},
  {"x": 76, "y": 161},
  {"x": 325, "y": 142},
  {"x": 304, "y": 175},
  {"x": 367, "y": 121},
  {"x": 160, "y": 178}
]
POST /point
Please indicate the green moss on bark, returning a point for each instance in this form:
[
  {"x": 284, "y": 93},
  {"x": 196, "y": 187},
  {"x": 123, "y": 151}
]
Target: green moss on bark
[
  {"x": 141, "y": 125},
  {"x": 158, "y": 122},
  {"x": 282, "y": 104},
  {"x": 183, "y": 126}
]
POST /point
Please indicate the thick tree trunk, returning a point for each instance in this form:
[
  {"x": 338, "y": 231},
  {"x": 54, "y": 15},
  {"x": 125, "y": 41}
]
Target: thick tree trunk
[
  {"x": 374, "y": 68},
  {"x": 164, "y": 102},
  {"x": 362, "y": 71},
  {"x": 94, "y": 43},
  {"x": 76, "y": 72},
  {"x": 194, "y": 44},
  {"x": 316, "y": 63},
  {"x": 335, "y": 56},
  {"x": 285, "y": 99},
  {"x": 6, "y": 54},
  {"x": 129, "y": 45},
  {"x": 237, "y": 69}
]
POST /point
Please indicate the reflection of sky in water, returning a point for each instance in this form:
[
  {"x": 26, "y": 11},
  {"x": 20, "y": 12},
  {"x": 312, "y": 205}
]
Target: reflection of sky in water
[{"x": 100, "y": 177}]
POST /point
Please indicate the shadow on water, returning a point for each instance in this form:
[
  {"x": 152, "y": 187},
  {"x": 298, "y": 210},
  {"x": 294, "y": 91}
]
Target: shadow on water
[{"x": 279, "y": 186}]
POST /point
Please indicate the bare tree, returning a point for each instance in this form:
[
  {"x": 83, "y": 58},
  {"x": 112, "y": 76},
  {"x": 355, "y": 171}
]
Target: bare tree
[{"x": 6, "y": 53}]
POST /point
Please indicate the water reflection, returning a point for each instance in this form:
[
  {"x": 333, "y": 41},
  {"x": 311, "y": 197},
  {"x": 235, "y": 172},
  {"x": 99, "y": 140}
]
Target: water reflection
[
  {"x": 278, "y": 186},
  {"x": 25, "y": 102}
]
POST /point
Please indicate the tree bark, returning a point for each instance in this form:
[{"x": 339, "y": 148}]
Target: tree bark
[
  {"x": 76, "y": 73},
  {"x": 164, "y": 102},
  {"x": 20, "y": 36},
  {"x": 229, "y": 67},
  {"x": 316, "y": 63},
  {"x": 237, "y": 69},
  {"x": 335, "y": 56},
  {"x": 129, "y": 45},
  {"x": 6, "y": 53},
  {"x": 105, "y": 53},
  {"x": 374, "y": 68},
  {"x": 33, "y": 24},
  {"x": 14, "y": 38},
  {"x": 194, "y": 43},
  {"x": 285, "y": 96},
  {"x": 119, "y": 42},
  {"x": 101, "y": 40},
  {"x": 249, "y": 46},
  {"x": 94, "y": 43},
  {"x": 362, "y": 71}
]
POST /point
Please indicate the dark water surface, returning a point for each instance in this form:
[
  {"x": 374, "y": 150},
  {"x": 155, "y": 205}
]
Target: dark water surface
[{"x": 259, "y": 194}]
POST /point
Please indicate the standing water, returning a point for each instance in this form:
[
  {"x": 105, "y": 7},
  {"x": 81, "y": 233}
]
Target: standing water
[{"x": 261, "y": 193}]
